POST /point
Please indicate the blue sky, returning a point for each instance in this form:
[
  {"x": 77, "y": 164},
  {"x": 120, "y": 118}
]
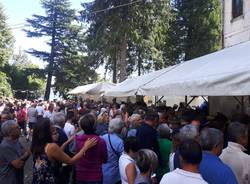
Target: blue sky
[{"x": 17, "y": 11}]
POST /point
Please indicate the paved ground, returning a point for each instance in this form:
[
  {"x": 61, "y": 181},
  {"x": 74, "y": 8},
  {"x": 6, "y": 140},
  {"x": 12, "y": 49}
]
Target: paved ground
[{"x": 28, "y": 165}]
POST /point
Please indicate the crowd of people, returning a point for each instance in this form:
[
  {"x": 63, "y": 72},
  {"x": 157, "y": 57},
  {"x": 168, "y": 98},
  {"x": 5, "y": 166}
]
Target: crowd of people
[{"x": 91, "y": 142}]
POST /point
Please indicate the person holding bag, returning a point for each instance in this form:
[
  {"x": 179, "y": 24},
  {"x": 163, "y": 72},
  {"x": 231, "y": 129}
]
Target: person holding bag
[{"x": 115, "y": 148}]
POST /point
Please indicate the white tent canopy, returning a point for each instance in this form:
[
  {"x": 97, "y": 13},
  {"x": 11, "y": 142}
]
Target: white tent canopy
[
  {"x": 92, "y": 89},
  {"x": 130, "y": 87},
  {"x": 222, "y": 73}
]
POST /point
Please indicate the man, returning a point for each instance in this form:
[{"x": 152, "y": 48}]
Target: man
[
  {"x": 69, "y": 128},
  {"x": 234, "y": 156},
  {"x": 190, "y": 156},
  {"x": 40, "y": 110},
  {"x": 12, "y": 154},
  {"x": 147, "y": 134},
  {"x": 115, "y": 149},
  {"x": 188, "y": 132},
  {"x": 22, "y": 117},
  {"x": 5, "y": 115},
  {"x": 136, "y": 121},
  {"x": 212, "y": 169},
  {"x": 32, "y": 119}
]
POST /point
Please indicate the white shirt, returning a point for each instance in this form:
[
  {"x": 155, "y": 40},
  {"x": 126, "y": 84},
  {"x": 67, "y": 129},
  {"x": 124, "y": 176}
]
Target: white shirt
[
  {"x": 40, "y": 110},
  {"x": 32, "y": 115},
  {"x": 48, "y": 114},
  {"x": 171, "y": 162},
  {"x": 69, "y": 129},
  {"x": 179, "y": 176},
  {"x": 124, "y": 160},
  {"x": 238, "y": 161}
]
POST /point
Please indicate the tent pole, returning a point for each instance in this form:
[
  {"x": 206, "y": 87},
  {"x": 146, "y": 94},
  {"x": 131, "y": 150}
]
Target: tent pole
[
  {"x": 159, "y": 99},
  {"x": 191, "y": 101},
  {"x": 242, "y": 104},
  {"x": 237, "y": 100},
  {"x": 204, "y": 99},
  {"x": 186, "y": 100}
]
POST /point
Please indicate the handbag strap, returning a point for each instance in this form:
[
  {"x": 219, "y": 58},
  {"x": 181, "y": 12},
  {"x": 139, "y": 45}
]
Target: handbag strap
[{"x": 117, "y": 154}]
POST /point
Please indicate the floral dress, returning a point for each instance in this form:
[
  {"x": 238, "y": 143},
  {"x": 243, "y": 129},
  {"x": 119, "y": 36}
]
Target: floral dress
[{"x": 43, "y": 170}]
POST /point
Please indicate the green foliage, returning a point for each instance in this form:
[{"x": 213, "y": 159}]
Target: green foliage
[
  {"x": 5, "y": 88},
  {"x": 6, "y": 39},
  {"x": 196, "y": 30},
  {"x": 24, "y": 76},
  {"x": 142, "y": 26}
]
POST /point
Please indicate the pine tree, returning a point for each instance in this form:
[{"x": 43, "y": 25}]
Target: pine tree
[
  {"x": 6, "y": 39},
  {"x": 74, "y": 68},
  {"x": 126, "y": 32},
  {"x": 57, "y": 25},
  {"x": 197, "y": 28}
]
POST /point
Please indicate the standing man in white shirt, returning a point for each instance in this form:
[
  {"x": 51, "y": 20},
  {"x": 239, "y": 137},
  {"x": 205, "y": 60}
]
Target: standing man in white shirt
[
  {"x": 40, "y": 110},
  {"x": 69, "y": 129},
  {"x": 32, "y": 119},
  {"x": 190, "y": 158},
  {"x": 233, "y": 154}
]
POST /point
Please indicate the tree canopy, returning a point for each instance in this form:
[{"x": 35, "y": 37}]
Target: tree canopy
[
  {"x": 66, "y": 50},
  {"x": 197, "y": 26},
  {"x": 6, "y": 39},
  {"x": 125, "y": 32},
  {"x": 125, "y": 36}
]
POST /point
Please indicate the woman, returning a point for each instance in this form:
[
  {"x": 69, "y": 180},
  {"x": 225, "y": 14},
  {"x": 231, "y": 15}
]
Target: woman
[
  {"x": 89, "y": 167},
  {"x": 127, "y": 167},
  {"x": 115, "y": 148},
  {"x": 50, "y": 111},
  {"x": 45, "y": 152},
  {"x": 147, "y": 162}
]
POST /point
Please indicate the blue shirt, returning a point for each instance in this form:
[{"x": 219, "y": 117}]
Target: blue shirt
[
  {"x": 110, "y": 170},
  {"x": 214, "y": 171},
  {"x": 132, "y": 132}
]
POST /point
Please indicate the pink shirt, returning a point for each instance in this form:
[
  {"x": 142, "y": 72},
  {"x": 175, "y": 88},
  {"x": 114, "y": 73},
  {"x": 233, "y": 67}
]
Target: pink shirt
[{"x": 89, "y": 167}]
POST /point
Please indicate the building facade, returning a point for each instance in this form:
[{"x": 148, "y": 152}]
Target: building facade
[
  {"x": 236, "y": 22},
  {"x": 236, "y": 29}
]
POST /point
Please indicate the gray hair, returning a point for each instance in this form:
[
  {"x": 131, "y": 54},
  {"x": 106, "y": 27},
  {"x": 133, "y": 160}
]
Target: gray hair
[
  {"x": 58, "y": 119},
  {"x": 188, "y": 132},
  {"x": 133, "y": 118},
  {"x": 146, "y": 159},
  {"x": 116, "y": 125},
  {"x": 237, "y": 130},
  {"x": 164, "y": 131},
  {"x": 210, "y": 138},
  {"x": 7, "y": 127}
]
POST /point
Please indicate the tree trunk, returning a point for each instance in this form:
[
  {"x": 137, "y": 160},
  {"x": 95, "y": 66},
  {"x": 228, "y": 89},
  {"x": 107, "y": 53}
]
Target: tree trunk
[
  {"x": 114, "y": 71},
  {"x": 122, "y": 60},
  {"x": 51, "y": 61},
  {"x": 48, "y": 84},
  {"x": 139, "y": 63}
]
